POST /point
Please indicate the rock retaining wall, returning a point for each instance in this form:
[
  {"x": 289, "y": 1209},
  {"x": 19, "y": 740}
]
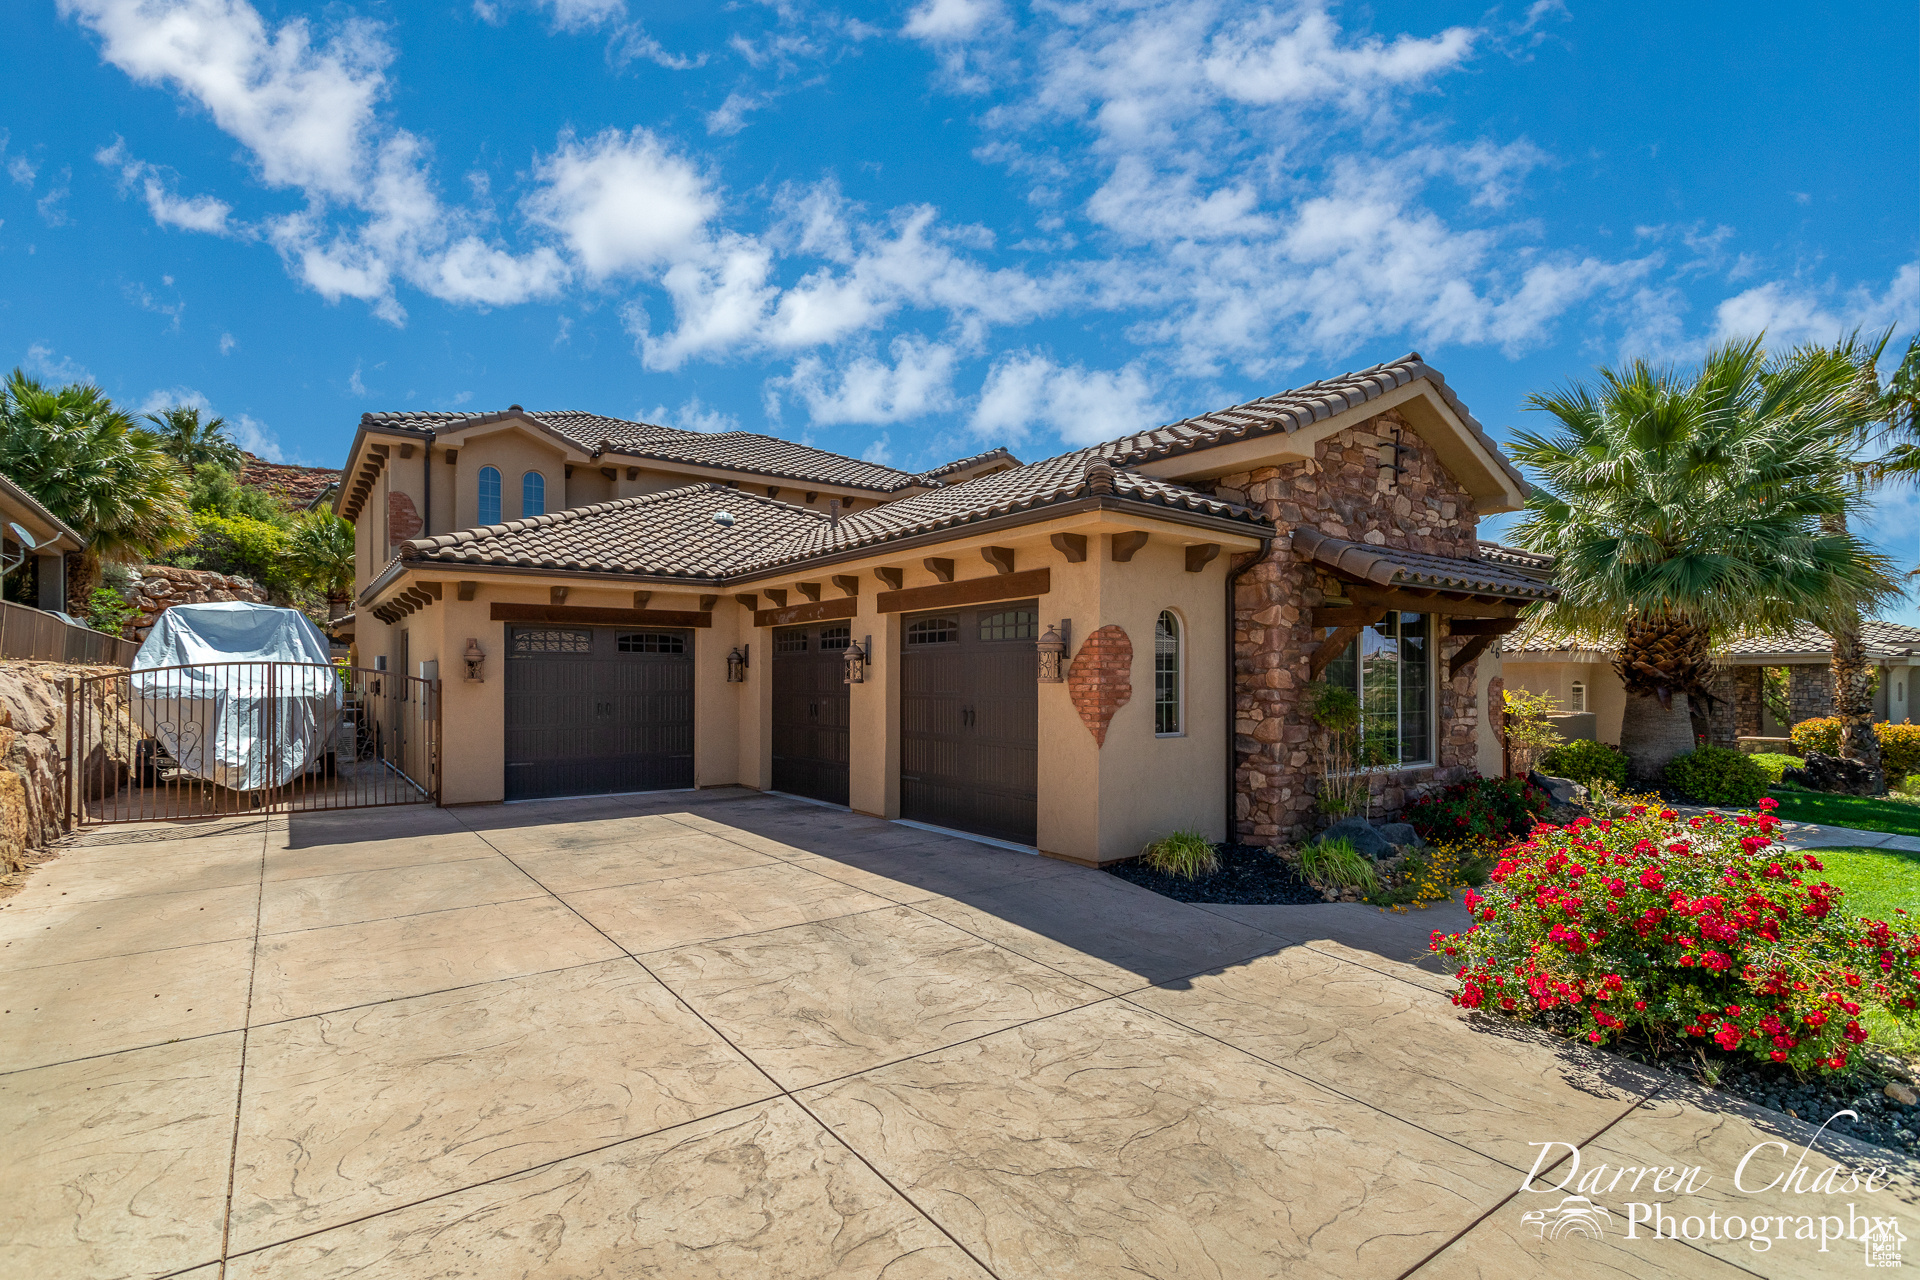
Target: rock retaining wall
[
  {"x": 155, "y": 588},
  {"x": 33, "y": 729}
]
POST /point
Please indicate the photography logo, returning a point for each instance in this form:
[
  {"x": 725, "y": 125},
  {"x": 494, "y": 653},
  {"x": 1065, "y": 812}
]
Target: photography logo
[
  {"x": 1573, "y": 1216},
  {"x": 1883, "y": 1243}
]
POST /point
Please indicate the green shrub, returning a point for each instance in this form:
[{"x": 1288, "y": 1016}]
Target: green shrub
[
  {"x": 1899, "y": 748},
  {"x": 242, "y": 546},
  {"x": 1774, "y": 763},
  {"x": 1586, "y": 762},
  {"x": 1821, "y": 734},
  {"x": 1630, "y": 928},
  {"x": 1717, "y": 775},
  {"x": 1184, "y": 853},
  {"x": 108, "y": 611},
  {"x": 1479, "y": 806},
  {"x": 215, "y": 489},
  {"x": 1338, "y": 863}
]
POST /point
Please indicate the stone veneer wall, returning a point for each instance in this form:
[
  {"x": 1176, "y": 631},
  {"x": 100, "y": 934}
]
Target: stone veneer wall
[
  {"x": 1341, "y": 493},
  {"x": 1735, "y": 711},
  {"x": 1809, "y": 692}
]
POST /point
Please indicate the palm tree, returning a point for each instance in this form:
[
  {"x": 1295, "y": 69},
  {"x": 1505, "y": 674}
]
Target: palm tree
[
  {"x": 87, "y": 462},
  {"x": 191, "y": 442},
  {"x": 321, "y": 546},
  {"x": 1685, "y": 507}
]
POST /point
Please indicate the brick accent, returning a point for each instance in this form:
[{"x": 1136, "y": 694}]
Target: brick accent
[
  {"x": 403, "y": 521},
  {"x": 1339, "y": 491},
  {"x": 1100, "y": 679}
]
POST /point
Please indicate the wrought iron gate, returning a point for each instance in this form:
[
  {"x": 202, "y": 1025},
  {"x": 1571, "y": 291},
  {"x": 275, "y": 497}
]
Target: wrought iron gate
[{"x": 172, "y": 743}]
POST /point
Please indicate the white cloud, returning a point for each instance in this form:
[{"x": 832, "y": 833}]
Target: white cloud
[
  {"x": 693, "y": 415},
  {"x": 621, "y": 202},
  {"x": 166, "y": 398},
  {"x": 1790, "y": 313},
  {"x": 1027, "y": 390},
  {"x": 730, "y": 117},
  {"x": 939, "y": 20},
  {"x": 866, "y": 390},
  {"x": 194, "y": 213},
  {"x": 256, "y": 437},
  {"x": 720, "y": 300},
  {"x": 50, "y": 205},
  {"x": 44, "y": 363},
  {"x": 227, "y": 343},
  {"x": 1299, "y": 56},
  {"x": 22, "y": 171}
]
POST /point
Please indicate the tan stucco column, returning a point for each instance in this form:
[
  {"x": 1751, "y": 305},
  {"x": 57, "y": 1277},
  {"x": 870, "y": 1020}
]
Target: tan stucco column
[{"x": 873, "y": 713}]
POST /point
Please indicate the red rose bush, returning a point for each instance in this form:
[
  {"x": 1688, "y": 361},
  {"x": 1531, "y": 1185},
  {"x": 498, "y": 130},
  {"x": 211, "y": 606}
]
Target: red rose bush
[{"x": 1704, "y": 929}]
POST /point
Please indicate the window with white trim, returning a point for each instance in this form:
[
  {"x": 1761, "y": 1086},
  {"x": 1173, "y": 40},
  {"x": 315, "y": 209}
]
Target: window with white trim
[
  {"x": 1167, "y": 720},
  {"x": 1577, "y": 697},
  {"x": 1389, "y": 667}
]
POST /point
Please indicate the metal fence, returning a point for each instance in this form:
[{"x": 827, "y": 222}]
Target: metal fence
[
  {"x": 32, "y": 633},
  {"x": 218, "y": 739}
]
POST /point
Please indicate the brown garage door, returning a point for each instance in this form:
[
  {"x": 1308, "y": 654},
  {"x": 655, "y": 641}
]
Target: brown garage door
[
  {"x": 598, "y": 710},
  {"x": 969, "y": 710},
  {"x": 810, "y": 711}
]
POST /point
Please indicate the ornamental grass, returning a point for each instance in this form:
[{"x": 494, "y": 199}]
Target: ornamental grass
[{"x": 1684, "y": 933}]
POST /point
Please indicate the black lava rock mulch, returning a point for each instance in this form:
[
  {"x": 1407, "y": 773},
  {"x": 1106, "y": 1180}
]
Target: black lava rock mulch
[{"x": 1248, "y": 876}]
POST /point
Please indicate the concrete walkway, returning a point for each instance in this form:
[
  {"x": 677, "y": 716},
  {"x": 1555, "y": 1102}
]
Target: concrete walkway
[
  {"x": 726, "y": 1034},
  {"x": 1812, "y": 835}
]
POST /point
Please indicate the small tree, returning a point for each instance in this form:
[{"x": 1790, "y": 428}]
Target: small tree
[
  {"x": 1344, "y": 789},
  {"x": 1530, "y": 734},
  {"x": 108, "y": 611},
  {"x": 322, "y": 551}
]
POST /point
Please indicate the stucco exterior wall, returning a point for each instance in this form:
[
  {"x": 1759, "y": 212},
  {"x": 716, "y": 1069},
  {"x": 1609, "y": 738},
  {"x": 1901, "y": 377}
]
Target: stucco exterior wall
[
  {"x": 1606, "y": 696},
  {"x": 1341, "y": 492},
  {"x": 515, "y": 452}
]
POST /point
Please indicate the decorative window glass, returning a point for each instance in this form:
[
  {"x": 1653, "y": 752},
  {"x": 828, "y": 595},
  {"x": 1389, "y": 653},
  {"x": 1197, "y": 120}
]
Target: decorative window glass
[
  {"x": 489, "y": 511},
  {"x": 1166, "y": 675},
  {"x": 1389, "y": 667},
  {"x": 790, "y": 642},
  {"x": 1577, "y": 699},
  {"x": 933, "y": 631},
  {"x": 835, "y": 639},
  {"x": 1011, "y": 624},
  {"x": 533, "y": 495},
  {"x": 652, "y": 642},
  {"x": 553, "y": 640}
]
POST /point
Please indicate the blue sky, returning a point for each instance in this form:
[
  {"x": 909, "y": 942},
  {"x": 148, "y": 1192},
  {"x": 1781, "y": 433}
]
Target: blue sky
[{"x": 915, "y": 231}]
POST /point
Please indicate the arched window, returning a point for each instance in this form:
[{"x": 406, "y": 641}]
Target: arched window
[
  {"x": 489, "y": 495},
  {"x": 1578, "y": 698},
  {"x": 1166, "y": 675},
  {"x": 533, "y": 495}
]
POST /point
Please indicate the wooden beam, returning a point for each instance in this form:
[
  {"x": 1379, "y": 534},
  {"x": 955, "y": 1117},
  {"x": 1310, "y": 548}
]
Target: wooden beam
[
  {"x": 582, "y": 615},
  {"x": 466, "y": 590},
  {"x": 812, "y": 611},
  {"x": 558, "y": 595},
  {"x": 1482, "y": 626},
  {"x": 377, "y": 450},
  {"x": 848, "y": 583},
  {"x": 1349, "y": 616},
  {"x": 946, "y": 595},
  {"x": 1125, "y": 544},
  {"x": 1200, "y": 555},
  {"x": 640, "y": 599},
  {"x": 1473, "y": 648},
  {"x": 778, "y": 595},
  {"x": 891, "y": 578},
  {"x": 939, "y": 568},
  {"x": 1071, "y": 545},
  {"x": 1484, "y": 607},
  {"x": 1001, "y": 558},
  {"x": 1330, "y": 648},
  {"x": 811, "y": 590}
]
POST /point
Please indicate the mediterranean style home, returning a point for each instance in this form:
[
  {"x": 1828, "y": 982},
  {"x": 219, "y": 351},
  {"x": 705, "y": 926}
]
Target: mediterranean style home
[
  {"x": 1077, "y": 655},
  {"x": 1580, "y": 678}
]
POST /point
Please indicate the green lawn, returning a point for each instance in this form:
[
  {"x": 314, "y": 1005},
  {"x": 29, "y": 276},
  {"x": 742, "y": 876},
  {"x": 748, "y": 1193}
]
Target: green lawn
[
  {"x": 1864, "y": 813},
  {"x": 1876, "y": 881}
]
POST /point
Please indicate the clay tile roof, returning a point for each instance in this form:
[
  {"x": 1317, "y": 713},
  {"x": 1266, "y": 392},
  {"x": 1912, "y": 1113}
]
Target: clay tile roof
[
  {"x": 1801, "y": 645},
  {"x": 1390, "y": 566},
  {"x": 963, "y": 464},
  {"x": 1032, "y": 485},
  {"x": 1289, "y": 411},
  {"x": 668, "y": 534},
  {"x": 1529, "y": 563}
]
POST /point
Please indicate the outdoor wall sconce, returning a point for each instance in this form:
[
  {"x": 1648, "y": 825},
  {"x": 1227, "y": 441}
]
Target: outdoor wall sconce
[
  {"x": 857, "y": 658},
  {"x": 1391, "y": 466},
  {"x": 737, "y": 665},
  {"x": 1052, "y": 648},
  {"x": 473, "y": 657}
]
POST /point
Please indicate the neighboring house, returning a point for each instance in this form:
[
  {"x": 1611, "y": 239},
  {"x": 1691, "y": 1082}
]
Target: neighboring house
[
  {"x": 660, "y": 608},
  {"x": 53, "y": 542},
  {"x": 1582, "y": 681}
]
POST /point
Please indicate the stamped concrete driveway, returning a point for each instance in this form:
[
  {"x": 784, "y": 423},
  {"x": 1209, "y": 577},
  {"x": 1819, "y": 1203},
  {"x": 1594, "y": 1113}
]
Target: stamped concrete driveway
[{"x": 721, "y": 1033}]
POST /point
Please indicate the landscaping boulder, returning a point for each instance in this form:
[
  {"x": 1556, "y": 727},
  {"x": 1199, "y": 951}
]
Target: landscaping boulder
[
  {"x": 1367, "y": 840},
  {"x": 1402, "y": 835},
  {"x": 1560, "y": 791},
  {"x": 1832, "y": 774}
]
